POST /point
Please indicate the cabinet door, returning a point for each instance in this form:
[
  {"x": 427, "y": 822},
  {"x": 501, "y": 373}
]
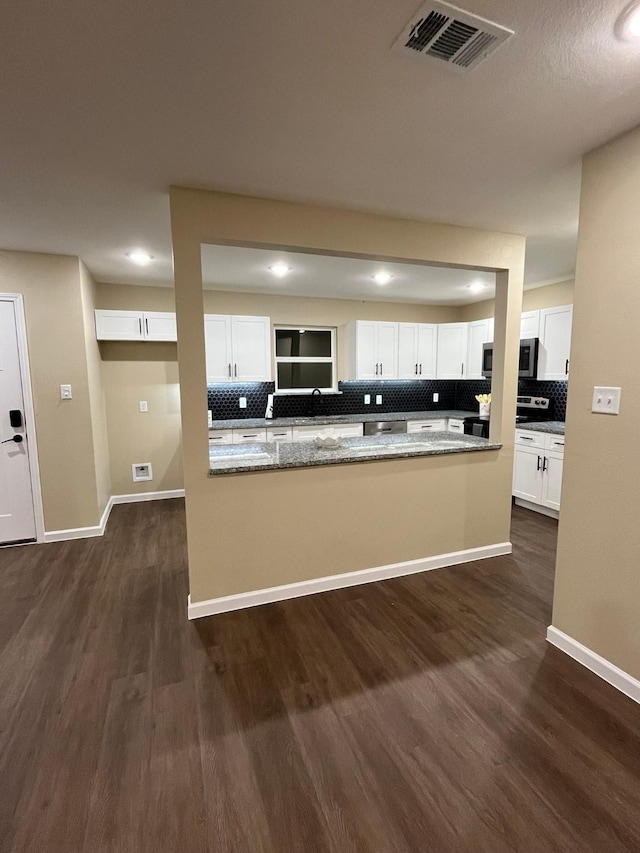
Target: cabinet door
[
  {"x": 452, "y": 350},
  {"x": 247, "y": 436},
  {"x": 555, "y": 343},
  {"x": 348, "y": 430},
  {"x": 454, "y": 425},
  {"x": 408, "y": 350},
  {"x": 217, "y": 339},
  {"x": 527, "y": 474},
  {"x": 388, "y": 350},
  {"x": 251, "y": 347},
  {"x": 367, "y": 350},
  {"x": 308, "y": 433},
  {"x": 159, "y": 326},
  {"x": 530, "y": 325},
  {"x": 427, "y": 351},
  {"x": 279, "y": 434},
  {"x": 552, "y": 481},
  {"x": 478, "y": 334},
  {"x": 220, "y": 436},
  {"x": 119, "y": 326},
  {"x": 426, "y": 426}
]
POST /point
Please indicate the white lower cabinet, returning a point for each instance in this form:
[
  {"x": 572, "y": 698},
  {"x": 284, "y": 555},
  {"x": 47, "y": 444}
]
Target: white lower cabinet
[
  {"x": 220, "y": 436},
  {"x": 427, "y": 426},
  {"x": 242, "y": 436},
  {"x": 537, "y": 469},
  {"x": 456, "y": 425},
  {"x": 308, "y": 433},
  {"x": 279, "y": 434}
]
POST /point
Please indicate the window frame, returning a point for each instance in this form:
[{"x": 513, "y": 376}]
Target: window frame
[{"x": 282, "y": 359}]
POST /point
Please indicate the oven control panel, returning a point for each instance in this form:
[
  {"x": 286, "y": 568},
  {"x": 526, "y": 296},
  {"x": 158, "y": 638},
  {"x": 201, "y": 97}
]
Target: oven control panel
[{"x": 533, "y": 403}]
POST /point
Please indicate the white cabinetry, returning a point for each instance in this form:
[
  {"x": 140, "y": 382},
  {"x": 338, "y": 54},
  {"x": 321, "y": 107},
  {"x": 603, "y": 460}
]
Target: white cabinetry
[
  {"x": 220, "y": 436},
  {"x": 529, "y": 325},
  {"x": 452, "y": 350},
  {"x": 417, "y": 350},
  {"x": 373, "y": 349},
  {"x": 309, "y": 432},
  {"x": 555, "y": 342},
  {"x": 537, "y": 470},
  {"x": 427, "y": 426},
  {"x": 238, "y": 349},
  {"x": 135, "y": 326},
  {"x": 479, "y": 332},
  {"x": 456, "y": 425},
  {"x": 279, "y": 434},
  {"x": 244, "y": 436}
]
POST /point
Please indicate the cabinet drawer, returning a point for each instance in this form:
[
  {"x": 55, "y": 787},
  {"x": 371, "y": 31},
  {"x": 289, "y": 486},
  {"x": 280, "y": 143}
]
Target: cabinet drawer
[
  {"x": 242, "y": 436},
  {"x": 456, "y": 425},
  {"x": 555, "y": 442},
  {"x": 308, "y": 433},
  {"x": 525, "y": 438},
  {"x": 279, "y": 434},
  {"x": 348, "y": 430},
  {"x": 220, "y": 436},
  {"x": 426, "y": 426}
]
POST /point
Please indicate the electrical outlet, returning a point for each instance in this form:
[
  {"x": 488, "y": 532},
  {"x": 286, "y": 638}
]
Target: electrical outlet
[
  {"x": 66, "y": 392},
  {"x": 143, "y": 406},
  {"x": 436, "y": 397},
  {"x": 367, "y": 399},
  {"x": 378, "y": 399},
  {"x": 141, "y": 471},
  {"x": 242, "y": 402}
]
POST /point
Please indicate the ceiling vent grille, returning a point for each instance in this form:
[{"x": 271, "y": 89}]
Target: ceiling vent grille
[{"x": 445, "y": 33}]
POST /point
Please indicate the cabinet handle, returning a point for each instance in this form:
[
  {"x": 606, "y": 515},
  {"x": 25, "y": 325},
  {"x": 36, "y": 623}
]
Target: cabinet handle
[
  {"x": 146, "y": 325},
  {"x": 140, "y": 325},
  {"x": 420, "y": 368},
  {"x": 229, "y": 370},
  {"x": 525, "y": 438},
  {"x": 380, "y": 368},
  {"x": 559, "y": 443},
  {"x": 376, "y": 369},
  {"x": 235, "y": 370},
  {"x": 416, "y": 370},
  {"x": 544, "y": 464},
  {"x": 539, "y": 463},
  {"x": 462, "y": 369},
  {"x": 566, "y": 367}
]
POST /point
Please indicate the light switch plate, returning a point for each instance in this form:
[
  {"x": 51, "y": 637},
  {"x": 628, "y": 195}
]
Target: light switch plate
[
  {"x": 242, "y": 402},
  {"x": 436, "y": 397},
  {"x": 143, "y": 406},
  {"x": 378, "y": 399},
  {"x": 606, "y": 401},
  {"x": 66, "y": 392},
  {"x": 367, "y": 399}
]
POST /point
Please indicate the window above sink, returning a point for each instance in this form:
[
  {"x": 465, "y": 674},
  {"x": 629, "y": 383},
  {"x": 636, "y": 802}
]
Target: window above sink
[{"x": 305, "y": 359}]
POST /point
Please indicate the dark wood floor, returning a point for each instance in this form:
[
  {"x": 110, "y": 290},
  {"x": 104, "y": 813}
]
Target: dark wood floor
[{"x": 421, "y": 714}]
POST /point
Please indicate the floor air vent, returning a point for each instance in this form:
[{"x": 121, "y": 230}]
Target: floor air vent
[{"x": 448, "y": 34}]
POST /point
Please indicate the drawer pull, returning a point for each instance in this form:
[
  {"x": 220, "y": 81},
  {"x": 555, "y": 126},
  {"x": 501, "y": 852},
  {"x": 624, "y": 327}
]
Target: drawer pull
[{"x": 525, "y": 438}]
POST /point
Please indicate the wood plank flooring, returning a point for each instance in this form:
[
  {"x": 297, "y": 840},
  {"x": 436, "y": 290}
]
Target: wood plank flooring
[{"x": 420, "y": 714}]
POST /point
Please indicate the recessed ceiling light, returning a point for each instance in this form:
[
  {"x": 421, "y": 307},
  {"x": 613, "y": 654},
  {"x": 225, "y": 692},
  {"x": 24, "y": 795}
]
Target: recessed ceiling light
[
  {"x": 628, "y": 24},
  {"x": 382, "y": 277},
  {"x": 476, "y": 287},
  {"x": 140, "y": 257},
  {"x": 280, "y": 269}
]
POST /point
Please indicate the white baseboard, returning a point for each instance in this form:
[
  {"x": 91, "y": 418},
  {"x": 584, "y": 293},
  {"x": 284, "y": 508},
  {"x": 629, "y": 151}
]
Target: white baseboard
[
  {"x": 543, "y": 510},
  {"x": 211, "y": 606},
  {"x": 608, "y": 671},
  {"x": 98, "y": 530}
]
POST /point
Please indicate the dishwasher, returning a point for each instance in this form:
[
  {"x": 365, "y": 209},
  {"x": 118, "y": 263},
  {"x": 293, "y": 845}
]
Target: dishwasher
[{"x": 385, "y": 427}]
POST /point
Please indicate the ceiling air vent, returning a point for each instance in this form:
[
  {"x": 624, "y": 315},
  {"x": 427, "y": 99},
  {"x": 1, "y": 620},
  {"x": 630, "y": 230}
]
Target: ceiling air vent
[{"x": 448, "y": 34}]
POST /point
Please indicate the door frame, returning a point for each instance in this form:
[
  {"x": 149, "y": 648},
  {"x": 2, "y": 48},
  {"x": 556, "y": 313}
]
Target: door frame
[{"x": 29, "y": 410}]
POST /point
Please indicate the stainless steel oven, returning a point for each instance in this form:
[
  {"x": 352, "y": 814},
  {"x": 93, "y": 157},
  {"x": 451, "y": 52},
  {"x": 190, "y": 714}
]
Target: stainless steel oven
[{"x": 527, "y": 363}]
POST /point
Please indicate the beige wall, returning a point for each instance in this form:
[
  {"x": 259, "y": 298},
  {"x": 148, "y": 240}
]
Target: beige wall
[
  {"x": 97, "y": 403},
  {"x": 549, "y": 296},
  {"x": 259, "y": 530},
  {"x": 50, "y": 285},
  {"x": 597, "y": 590}
]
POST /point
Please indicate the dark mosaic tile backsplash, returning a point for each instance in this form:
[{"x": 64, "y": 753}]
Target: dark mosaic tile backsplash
[{"x": 397, "y": 396}]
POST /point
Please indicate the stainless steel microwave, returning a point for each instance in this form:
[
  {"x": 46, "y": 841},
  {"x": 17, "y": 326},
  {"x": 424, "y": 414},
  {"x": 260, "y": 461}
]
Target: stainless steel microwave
[{"x": 527, "y": 364}]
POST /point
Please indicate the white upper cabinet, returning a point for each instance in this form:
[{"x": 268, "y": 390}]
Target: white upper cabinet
[
  {"x": 417, "y": 348},
  {"x": 452, "y": 350},
  {"x": 373, "y": 350},
  {"x": 555, "y": 343},
  {"x": 238, "y": 349},
  {"x": 480, "y": 332},
  {"x": 530, "y": 325},
  {"x": 135, "y": 326}
]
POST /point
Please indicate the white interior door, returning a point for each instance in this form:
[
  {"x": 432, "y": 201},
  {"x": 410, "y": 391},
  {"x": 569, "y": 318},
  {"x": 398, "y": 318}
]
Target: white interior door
[{"x": 17, "y": 516}]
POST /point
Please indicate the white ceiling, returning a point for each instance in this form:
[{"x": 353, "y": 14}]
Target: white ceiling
[
  {"x": 105, "y": 104},
  {"x": 231, "y": 268}
]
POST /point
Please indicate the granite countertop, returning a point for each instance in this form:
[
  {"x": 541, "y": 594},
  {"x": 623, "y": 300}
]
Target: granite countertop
[
  {"x": 253, "y": 423},
  {"x": 260, "y": 456},
  {"x": 552, "y": 427}
]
